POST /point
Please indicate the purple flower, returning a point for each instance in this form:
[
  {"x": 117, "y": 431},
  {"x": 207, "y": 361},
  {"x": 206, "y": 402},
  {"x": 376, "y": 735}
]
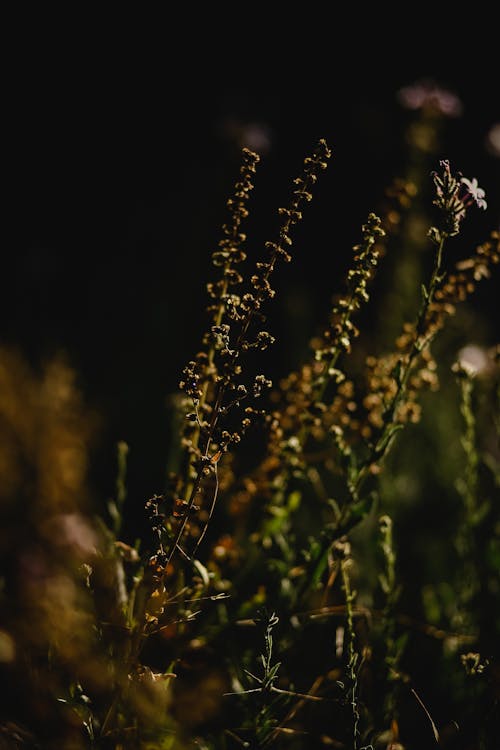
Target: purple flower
[
  {"x": 427, "y": 94},
  {"x": 475, "y": 192}
]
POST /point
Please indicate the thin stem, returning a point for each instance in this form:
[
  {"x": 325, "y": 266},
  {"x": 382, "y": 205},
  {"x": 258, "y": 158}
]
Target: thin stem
[
  {"x": 352, "y": 655},
  {"x": 421, "y": 341}
]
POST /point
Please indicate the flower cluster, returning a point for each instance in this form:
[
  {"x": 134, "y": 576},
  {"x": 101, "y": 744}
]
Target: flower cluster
[{"x": 454, "y": 194}]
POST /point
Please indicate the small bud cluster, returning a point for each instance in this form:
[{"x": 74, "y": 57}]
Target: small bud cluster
[
  {"x": 230, "y": 335},
  {"x": 218, "y": 393},
  {"x": 342, "y": 330},
  {"x": 383, "y": 384},
  {"x": 318, "y": 395},
  {"x": 462, "y": 281},
  {"x": 230, "y": 251}
]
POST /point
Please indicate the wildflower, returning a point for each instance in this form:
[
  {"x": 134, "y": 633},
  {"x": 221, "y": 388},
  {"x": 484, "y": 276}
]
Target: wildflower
[
  {"x": 452, "y": 201},
  {"x": 428, "y": 95},
  {"x": 475, "y": 192},
  {"x": 473, "y": 360}
]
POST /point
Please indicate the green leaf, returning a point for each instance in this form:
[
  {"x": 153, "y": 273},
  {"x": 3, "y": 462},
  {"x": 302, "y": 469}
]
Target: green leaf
[
  {"x": 273, "y": 672},
  {"x": 202, "y": 571}
]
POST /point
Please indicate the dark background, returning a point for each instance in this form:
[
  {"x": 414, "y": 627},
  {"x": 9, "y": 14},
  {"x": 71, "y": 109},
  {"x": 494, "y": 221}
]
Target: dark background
[{"x": 123, "y": 144}]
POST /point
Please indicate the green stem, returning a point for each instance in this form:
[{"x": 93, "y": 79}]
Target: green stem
[
  {"x": 352, "y": 655},
  {"x": 421, "y": 341}
]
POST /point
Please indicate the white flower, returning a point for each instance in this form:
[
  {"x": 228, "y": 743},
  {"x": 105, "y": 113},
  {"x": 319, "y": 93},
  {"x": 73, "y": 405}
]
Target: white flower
[
  {"x": 474, "y": 359},
  {"x": 476, "y": 193}
]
